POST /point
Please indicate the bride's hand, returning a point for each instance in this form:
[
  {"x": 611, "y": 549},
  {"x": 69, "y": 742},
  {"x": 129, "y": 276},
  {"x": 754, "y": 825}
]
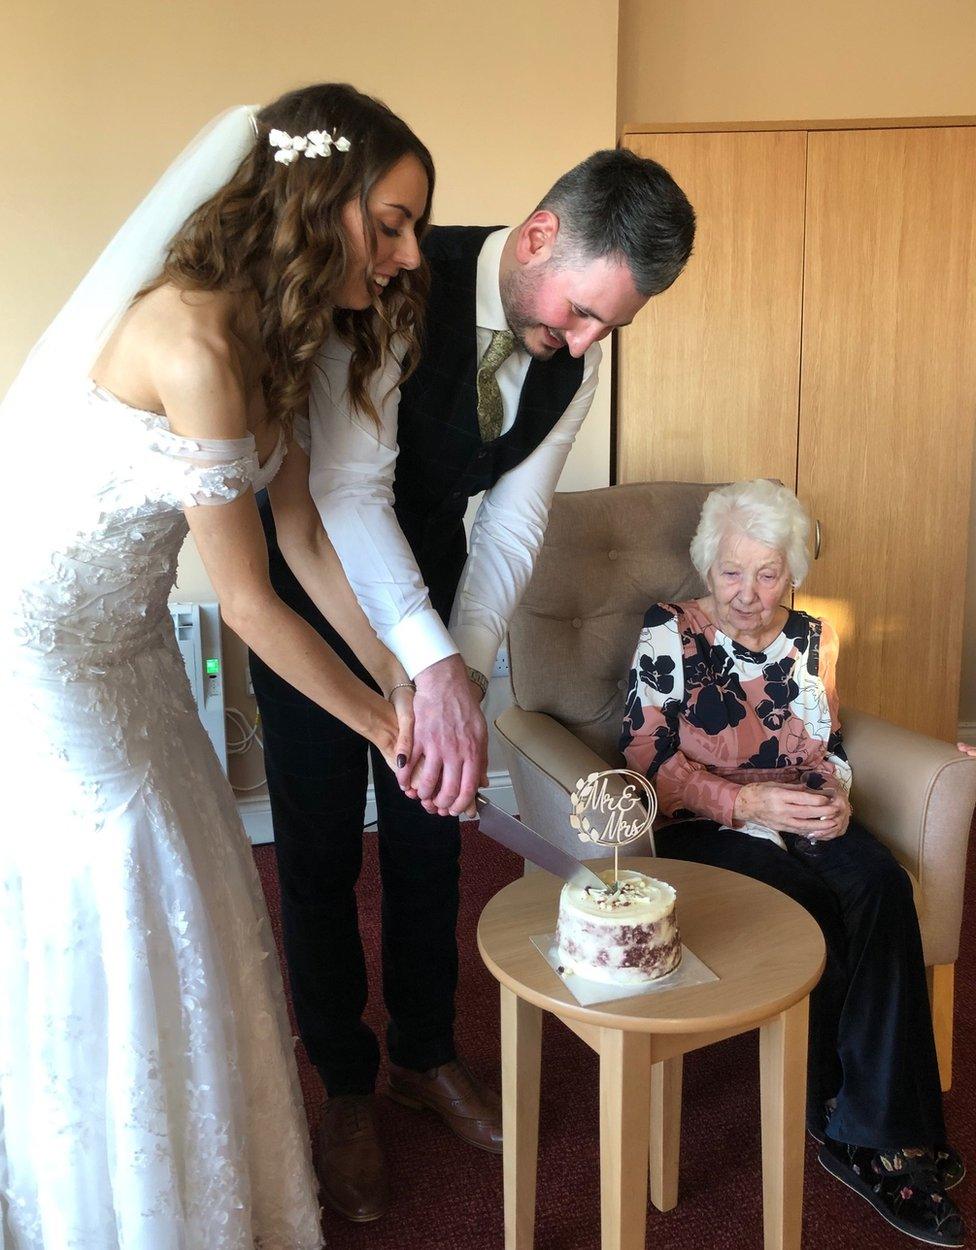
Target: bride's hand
[
  {"x": 391, "y": 726},
  {"x": 383, "y": 728},
  {"x": 402, "y": 700}
]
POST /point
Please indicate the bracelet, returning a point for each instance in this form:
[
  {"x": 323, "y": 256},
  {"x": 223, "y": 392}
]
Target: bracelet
[{"x": 401, "y": 685}]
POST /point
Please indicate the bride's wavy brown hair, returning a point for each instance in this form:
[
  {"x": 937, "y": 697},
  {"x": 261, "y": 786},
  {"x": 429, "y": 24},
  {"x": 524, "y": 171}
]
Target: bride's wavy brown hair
[{"x": 278, "y": 228}]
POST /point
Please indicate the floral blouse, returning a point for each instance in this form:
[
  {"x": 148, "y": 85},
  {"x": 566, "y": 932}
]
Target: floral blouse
[{"x": 705, "y": 715}]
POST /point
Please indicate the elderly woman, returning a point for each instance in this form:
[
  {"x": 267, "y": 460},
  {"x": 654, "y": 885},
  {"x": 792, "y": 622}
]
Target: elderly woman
[{"x": 732, "y": 713}]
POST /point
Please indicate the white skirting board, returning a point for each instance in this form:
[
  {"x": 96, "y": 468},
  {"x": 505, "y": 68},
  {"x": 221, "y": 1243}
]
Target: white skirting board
[{"x": 256, "y": 812}]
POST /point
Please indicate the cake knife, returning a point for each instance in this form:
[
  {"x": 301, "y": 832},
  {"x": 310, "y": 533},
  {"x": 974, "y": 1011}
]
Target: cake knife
[{"x": 501, "y": 827}]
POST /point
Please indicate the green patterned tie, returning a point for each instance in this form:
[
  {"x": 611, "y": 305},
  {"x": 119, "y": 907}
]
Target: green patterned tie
[{"x": 489, "y": 396}]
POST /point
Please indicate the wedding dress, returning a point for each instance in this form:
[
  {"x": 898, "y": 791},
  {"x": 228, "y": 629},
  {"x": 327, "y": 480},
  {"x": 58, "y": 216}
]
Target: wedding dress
[{"x": 148, "y": 1092}]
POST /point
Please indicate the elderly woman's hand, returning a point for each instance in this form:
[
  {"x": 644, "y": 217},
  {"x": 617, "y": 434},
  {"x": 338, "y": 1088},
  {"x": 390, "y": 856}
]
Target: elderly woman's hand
[
  {"x": 834, "y": 821},
  {"x": 790, "y": 808}
]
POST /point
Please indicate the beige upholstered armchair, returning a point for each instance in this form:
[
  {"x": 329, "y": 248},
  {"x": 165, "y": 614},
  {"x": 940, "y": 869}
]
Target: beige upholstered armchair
[{"x": 608, "y": 555}]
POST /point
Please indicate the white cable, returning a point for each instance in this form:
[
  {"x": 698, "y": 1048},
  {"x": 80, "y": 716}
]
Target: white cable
[
  {"x": 236, "y": 718},
  {"x": 257, "y": 786},
  {"x": 248, "y": 731},
  {"x": 240, "y": 746}
]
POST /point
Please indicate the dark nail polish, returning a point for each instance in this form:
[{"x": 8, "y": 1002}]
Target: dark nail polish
[{"x": 401, "y": 761}]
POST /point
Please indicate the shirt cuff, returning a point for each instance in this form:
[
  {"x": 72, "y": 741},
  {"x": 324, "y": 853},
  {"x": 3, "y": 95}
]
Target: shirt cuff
[
  {"x": 420, "y": 640},
  {"x": 478, "y": 646}
]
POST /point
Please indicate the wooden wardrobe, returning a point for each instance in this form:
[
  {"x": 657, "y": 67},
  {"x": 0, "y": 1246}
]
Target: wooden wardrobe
[{"x": 824, "y": 333}]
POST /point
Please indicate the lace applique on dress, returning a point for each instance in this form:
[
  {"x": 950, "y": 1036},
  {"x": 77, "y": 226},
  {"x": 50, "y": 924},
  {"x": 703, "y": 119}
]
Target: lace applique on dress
[
  {"x": 204, "y": 471},
  {"x": 148, "y": 1091}
]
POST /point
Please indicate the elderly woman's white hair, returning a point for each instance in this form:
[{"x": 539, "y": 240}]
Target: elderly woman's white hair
[{"x": 764, "y": 511}]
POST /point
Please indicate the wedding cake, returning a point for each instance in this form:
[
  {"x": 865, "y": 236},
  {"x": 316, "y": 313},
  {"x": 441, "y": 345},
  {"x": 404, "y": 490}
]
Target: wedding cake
[{"x": 623, "y": 934}]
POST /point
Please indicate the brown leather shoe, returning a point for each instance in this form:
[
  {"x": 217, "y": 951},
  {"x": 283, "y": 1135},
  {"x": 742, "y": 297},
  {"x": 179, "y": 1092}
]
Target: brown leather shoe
[
  {"x": 349, "y": 1160},
  {"x": 467, "y": 1107}
]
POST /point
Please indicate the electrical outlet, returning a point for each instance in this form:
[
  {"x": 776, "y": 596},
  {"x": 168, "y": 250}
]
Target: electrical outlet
[{"x": 501, "y": 664}]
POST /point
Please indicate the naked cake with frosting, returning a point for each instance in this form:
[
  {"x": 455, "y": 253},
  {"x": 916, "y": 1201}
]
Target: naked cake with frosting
[{"x": 623, "y": 934}]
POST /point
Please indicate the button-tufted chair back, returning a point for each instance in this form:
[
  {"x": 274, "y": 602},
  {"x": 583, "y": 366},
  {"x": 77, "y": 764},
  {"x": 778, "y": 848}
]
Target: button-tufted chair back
[{"x": 608, "y": 555}]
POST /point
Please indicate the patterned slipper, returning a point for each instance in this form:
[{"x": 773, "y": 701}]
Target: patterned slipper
[
  {"x": 950, "y": 1167},
  {"x": 818, "y": 1120},
  {"x": 903, "y": 1188}
]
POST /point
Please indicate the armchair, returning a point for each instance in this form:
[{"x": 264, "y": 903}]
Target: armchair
[{"x": 608, "y": 555}]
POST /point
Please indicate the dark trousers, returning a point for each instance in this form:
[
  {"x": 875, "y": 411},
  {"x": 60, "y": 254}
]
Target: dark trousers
[
  {"x": 871, "y": 1043},
  {"x": 317, "y": 778}
]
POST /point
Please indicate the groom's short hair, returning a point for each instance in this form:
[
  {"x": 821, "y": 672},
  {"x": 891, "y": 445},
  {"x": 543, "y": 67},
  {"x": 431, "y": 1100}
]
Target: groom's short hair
[{"x": 618, "y": 204}]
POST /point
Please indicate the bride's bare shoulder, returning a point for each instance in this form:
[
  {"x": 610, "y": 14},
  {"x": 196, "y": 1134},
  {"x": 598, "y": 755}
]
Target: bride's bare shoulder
[
  {"x": 172, "y": 343},
  {"x": 194, "y": 360},
  {"x": 168, "y": 316}
]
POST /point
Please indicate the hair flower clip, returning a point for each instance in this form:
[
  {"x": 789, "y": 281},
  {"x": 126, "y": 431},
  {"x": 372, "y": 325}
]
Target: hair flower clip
[
  {"x": 315, "y": 143},
  {"x": 287, "y": 148},
  {"x": 319, "y": 142}
]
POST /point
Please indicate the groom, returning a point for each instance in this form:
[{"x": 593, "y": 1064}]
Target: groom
[{"x": 508, "y": 371}]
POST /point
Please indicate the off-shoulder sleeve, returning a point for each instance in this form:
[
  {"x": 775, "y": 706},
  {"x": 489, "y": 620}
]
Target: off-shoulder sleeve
[{"x": 204, "y": 471}]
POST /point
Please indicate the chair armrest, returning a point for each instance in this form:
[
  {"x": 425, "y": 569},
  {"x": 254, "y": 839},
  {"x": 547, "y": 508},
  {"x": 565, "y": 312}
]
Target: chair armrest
[
  {"x": 546, "y": 761},
  {"x": 916, "y": 795}
]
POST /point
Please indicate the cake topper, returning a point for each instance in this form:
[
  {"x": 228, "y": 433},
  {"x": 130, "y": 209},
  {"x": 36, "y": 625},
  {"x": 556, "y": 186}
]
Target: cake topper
[{"x": 613, "y": 817}]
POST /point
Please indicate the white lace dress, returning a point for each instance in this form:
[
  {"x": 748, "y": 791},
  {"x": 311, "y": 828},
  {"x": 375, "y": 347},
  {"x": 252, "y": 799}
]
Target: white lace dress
[{"x": 148, "y": 1092}]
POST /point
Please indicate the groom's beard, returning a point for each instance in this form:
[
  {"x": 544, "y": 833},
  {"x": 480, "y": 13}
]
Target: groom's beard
[{"x": 517, "y": 290}]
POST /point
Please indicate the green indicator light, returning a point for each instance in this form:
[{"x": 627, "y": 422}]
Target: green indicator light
[{"x": 213, "y": 667}]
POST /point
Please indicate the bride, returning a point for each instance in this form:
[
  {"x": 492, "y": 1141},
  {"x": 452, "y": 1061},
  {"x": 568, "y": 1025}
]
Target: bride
[{"x": 148, "y": 1092}]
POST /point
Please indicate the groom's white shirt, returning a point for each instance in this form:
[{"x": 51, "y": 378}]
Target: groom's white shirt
[{"x": 353, "y": 463}]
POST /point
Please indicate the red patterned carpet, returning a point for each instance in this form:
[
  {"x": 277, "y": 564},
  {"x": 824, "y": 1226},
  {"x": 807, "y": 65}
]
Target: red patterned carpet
[{"x": 449, "y": 1197}]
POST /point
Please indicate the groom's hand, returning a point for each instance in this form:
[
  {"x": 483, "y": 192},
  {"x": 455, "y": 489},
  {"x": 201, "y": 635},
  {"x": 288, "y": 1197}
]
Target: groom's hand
[{"x": 450, "y": 740}]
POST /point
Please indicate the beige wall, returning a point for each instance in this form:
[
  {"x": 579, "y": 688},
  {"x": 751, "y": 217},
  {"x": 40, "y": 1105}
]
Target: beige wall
[
  {"x": 711, "y": 60},
  {"x": 98, "y": 95}
]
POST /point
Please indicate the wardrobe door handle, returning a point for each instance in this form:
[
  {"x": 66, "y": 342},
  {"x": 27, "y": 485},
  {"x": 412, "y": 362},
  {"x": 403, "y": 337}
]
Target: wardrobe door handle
[{"x": 816, "y": 540}]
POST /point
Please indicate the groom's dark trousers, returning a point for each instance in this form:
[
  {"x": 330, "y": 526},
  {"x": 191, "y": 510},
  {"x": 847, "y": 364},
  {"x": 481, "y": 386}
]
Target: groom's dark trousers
[
  {"x": 317, "y": 779},
  {"x": 317, "y": 767}
]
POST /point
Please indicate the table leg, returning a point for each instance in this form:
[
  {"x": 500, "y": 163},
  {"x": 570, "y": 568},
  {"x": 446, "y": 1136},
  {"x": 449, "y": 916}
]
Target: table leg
[
  {"x": 783, "y": 1072},
  {"x": 625, "y": 1113},
  {"x": 665, "y": 1131},
  {"x": 521, "y": 1056}
]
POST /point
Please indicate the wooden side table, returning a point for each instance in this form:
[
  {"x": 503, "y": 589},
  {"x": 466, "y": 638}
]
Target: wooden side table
[{"x": 768, "y": 954}]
